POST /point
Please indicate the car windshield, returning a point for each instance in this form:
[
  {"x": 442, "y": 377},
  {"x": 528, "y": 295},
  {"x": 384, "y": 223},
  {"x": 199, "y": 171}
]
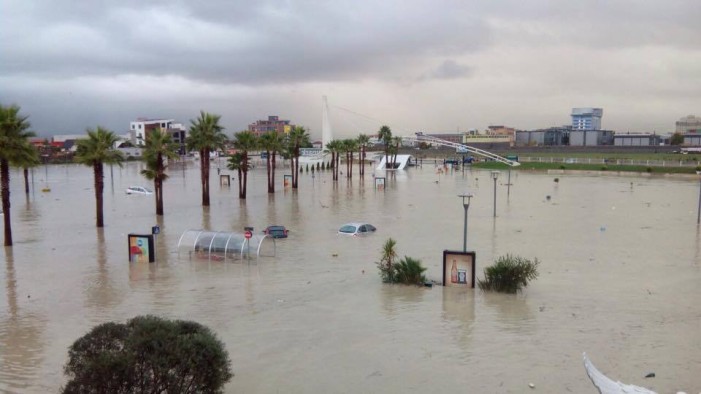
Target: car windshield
[{"x": 349, "y": 229}]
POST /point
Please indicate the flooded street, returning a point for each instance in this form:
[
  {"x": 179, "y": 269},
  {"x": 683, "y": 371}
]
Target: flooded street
[{"x": 619, "y": 279}]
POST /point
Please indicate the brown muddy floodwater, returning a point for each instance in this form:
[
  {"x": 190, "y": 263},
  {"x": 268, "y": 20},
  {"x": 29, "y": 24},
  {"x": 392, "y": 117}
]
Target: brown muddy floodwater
[{"x": 620, "y": 273}]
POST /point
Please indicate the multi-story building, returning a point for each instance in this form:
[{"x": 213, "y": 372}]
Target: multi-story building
[
  {"x": 688, "y": 124},
  {"x": 140, "y": 128},
  {"x": 272, "y": 124},
  {"x": 587, "y": 118}
]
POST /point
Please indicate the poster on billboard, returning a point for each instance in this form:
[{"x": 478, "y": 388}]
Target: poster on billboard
[
  {"x": 459, "y": 268},
  {"x": 286, "y": 181},
  {"x": 141, "y": 248},
  {"x": 380, "y": 183}
]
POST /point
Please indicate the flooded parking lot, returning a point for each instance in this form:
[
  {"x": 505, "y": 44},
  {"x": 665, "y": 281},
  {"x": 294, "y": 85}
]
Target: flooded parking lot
[{"x": 620, "y": 267}]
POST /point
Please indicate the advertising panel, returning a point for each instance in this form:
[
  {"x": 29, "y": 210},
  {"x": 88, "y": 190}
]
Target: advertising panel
[
  {"x": 141, "y": 248},
  {"x": 380, "y": 183},
  {"x": 459, "y": 268}
]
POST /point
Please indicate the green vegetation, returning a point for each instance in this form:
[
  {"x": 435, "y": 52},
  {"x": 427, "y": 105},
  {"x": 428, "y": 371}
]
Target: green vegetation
[
  {"x": 509, "y": 274},
  {"x": 95, "y": 151},
  {"x": 206, "y": 135},
  {"x": 407, "y": 270},
  {"x": 493, "y": 165},
  {"x": 159, "y": 150},
  {"x": 148, "y": 354}
]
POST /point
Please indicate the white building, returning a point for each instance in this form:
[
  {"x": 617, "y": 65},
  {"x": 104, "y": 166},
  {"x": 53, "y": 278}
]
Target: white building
[{"x": 142, "y": 126}]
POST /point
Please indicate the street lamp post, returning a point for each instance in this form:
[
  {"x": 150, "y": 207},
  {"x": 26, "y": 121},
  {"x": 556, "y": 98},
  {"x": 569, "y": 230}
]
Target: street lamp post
[
  {"x": 495, "y": 175},
  {"x": 698, "y": 215},
  {"x": 464, "y": 231}
]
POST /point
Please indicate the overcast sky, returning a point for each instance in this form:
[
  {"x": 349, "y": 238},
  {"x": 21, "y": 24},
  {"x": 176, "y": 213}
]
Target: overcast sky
[{"x": 433, "y": 66}]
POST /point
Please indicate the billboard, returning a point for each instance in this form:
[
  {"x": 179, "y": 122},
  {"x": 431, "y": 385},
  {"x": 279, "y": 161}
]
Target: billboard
[
  {"x": 141, "y": 248},
  {"x": 459, "y": 268},
  {"x": 380, "y": 183}
]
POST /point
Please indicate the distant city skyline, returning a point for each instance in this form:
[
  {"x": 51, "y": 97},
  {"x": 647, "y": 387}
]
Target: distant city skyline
[{"x": 413, "y": 65}]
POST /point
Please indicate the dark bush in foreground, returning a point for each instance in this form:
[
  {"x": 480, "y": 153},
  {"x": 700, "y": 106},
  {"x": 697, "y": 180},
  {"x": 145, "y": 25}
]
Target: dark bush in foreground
[
  {"x": 509, "y": 274},
  {"x": 148, "y": 355},
  {"x": 409, "y": 271}
]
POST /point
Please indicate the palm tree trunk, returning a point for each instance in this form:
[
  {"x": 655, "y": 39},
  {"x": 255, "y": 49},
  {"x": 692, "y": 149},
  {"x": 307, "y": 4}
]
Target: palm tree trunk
[
  {"x": 240, "y": 183},
  {"x": 296, "y": 171},
  {"x": 99, "y": 187},
  {"x": 270, "y": 180},
  {"x": 5, "y": 181},
  {"x": 362, "y": 161},
  {"x": 272, "y": 184},
  {"x": 26, "y": 180},
  {"x": 245, "y": 174},
  {"x": 204, "y": 155}
]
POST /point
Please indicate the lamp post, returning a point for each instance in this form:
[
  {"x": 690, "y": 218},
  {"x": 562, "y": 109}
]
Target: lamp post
[
  {"x": 698, "y": 215},
  {"x": 464, "y": 230},
  {"x": 495, "y": 175}
]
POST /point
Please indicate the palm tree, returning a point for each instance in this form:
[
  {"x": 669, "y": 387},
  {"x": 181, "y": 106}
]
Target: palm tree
[
  {"x": 244, "y": 142},
  {"x": 96, "y": 150},
  {"x": 396, "y": 142},
  {"x": 298, "y": 138},
  {"x": 272, "y": 143},
  {"x": 333, "y": 147},
  {"x": 386, "y": 263},
  {"x": 206, "y": 135},
  {"x": 14, "y": 148},
  {"x": 363, "y": 142},
  {"x": 385, "y": 135},
  {"x": 159, "y": 149},
  {"x": 27, "y": 162},
  {"x": 237, "y": 162},
  {"x": 351, "y": 145}
]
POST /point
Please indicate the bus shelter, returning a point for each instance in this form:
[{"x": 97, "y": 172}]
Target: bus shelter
[{"x": 225, "y": 245}]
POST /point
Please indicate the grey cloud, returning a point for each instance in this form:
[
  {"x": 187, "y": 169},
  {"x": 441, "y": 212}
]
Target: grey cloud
[{"x": 449, "y": 69}]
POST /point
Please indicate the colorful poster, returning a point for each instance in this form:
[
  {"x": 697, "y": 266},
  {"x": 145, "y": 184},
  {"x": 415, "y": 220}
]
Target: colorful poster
[
  {"x": 380, "y": 183},
  {"x": 141, "y": 248},
  {"x": 458, "y": 268}
]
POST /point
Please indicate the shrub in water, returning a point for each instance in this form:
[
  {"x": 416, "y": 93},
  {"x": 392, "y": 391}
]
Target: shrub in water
[
  {"x": 386, "y": 264},
  {"x": 148, "y": 355},
  {"x": 409, "y": 271},
  {"x": 509, "y": 274}
]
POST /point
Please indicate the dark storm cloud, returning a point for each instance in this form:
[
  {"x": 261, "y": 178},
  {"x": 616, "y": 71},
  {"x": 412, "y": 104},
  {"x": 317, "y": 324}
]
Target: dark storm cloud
[{"x": 262, "y": 43}]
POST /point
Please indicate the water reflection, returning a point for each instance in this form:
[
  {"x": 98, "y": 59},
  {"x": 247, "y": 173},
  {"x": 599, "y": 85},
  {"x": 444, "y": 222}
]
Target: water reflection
[
  {"x": 511, "y": 310},
  {"x": 398, "y": 299},
  {"x": 459, "y": 307},
  {"x": 101, "y": 293},
  {"x": 21, "y": 341}
]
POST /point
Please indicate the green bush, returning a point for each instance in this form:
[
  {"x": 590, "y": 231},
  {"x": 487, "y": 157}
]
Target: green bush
[
  {"x": 147, "y": 354},
  {"x": 648, "y": 169},
  {"x": 509, "y": 274},
  {"x": 409, "y": 271},
  {"x": 386, "y": 264},
  {"x": 604, "y": 168}
]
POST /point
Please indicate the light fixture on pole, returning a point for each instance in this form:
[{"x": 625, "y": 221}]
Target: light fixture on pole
[
  {"x": 495, "y": 175},
  {"x": 466, "y": 207}
]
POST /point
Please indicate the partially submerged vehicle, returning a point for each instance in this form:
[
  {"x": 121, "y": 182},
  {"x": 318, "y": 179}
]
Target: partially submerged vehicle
[{"x": 138, "y": 190}]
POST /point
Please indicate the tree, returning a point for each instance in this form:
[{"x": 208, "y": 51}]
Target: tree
[
  {"x": 385, "y": 135},
  {"x": 159, "y": 149},
  {"x": 26, "y": 162},
  {"x": 386, "y": 264},
  {"x": 396, "y": 143},
  {"x": 363, "y": 142},
  {"x": 272, "y": 143},
  {"x": 95, "y": 151},
  {"x": 148, "y": 354},
  {"x": 14, "y": 148},
  {"x": 298, "y": 138},
  {"x": 244, "y": 142},
  {"x": 509, "y": 274},
  {"x": 676, "y": 139},
  {"x": 237, "y": 162},
  {"x": 349, "y": 146},
  {"x": 333, "y": 147},
  {"x": 206, "y": 136}
]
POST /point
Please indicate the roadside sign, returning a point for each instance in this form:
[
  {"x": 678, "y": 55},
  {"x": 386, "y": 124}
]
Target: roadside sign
[{"x": 248, "y": 234}]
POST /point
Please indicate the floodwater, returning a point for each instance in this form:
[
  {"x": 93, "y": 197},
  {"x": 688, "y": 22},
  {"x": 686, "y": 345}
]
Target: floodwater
[{"x": 619, "y": 280}]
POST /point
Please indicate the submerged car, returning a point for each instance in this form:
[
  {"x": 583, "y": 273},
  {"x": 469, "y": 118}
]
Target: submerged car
[
  {"x": 276, "y": 231},
  {"x": 357, "y": 229},
  {"x": 138, "y": 190}
]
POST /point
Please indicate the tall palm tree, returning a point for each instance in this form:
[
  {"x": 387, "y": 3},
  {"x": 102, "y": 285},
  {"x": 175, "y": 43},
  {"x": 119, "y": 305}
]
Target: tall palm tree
[
  {"x": 206, "y": 135},
  {"x": 96, "y": 150},
  {"x": 333, "y": 148},
  {"x": 271, "y": 143},
  {"x": 244, "y": 141},
  {"x": 30, "y": 161},
  {"x": 385, "y": 135},
  {"x": 14, "y": 148},
  {"x": 158, "y": 151},
  {"x": 363, "y": 142},
  {"x": 237, "y": 162},
  {"x": 396, "y": 143},
  {"x": 351, "y": 145},
  {"x": 298, "y": 138}
]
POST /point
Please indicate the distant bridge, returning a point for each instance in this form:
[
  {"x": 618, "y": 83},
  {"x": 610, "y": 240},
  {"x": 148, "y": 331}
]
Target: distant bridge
[{"x": 469, "y": 149}]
